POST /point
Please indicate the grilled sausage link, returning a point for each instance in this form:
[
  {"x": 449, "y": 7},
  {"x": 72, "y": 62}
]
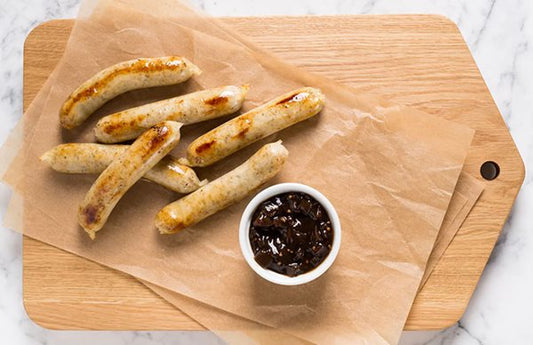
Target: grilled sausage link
[
  {"x": 122, "y": 77},
  {"x": 191, "y": 108},
  {"x": 279, "y": 113},
  {"x": 224, "y": 191},
  {"x": 88, "y": 158},
  {"x": 123, "y": 172}
]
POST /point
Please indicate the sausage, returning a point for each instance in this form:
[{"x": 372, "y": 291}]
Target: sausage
[
  {"x": 254, "y": 125},
  {"x": 122, "y": 77},
  {"x": 191, "y": 108},
  {"x": 123, "y": 172},
  {"x": 224, "y": 191},
  {"x": 91, "y": 158}
]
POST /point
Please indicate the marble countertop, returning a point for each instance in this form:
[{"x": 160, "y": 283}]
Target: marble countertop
[{"x": 500, "y": 36}]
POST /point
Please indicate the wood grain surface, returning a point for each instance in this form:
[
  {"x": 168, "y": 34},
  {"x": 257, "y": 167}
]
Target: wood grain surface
[{"x": 418, "y": 60}]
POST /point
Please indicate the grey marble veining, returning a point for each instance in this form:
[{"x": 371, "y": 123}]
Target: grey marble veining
[{"x": 500, "y": 35}]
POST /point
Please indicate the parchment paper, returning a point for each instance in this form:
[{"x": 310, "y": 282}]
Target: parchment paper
[
  {"x": 234, "y": 330},
  {"x": 237, "y": 330},
  {"x": 400, "y": 173},
  {"x": 467, "y": 192}
]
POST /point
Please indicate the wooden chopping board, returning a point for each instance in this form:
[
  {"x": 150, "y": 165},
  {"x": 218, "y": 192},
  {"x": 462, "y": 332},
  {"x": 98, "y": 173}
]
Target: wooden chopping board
[{"x": 418, "y": 60}]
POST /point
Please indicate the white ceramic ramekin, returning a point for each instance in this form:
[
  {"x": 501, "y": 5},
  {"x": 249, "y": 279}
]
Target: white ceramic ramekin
[{"x": 246, "y": 247}]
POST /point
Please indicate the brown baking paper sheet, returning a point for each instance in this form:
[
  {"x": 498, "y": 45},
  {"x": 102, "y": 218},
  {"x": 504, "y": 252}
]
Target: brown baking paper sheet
[
  {"x": 457, "y": 212},
  {"x": 237, "y": 330},
  {"x": 233, "y": 329},
  {"x": 398, "y": 173},
  {"x": 467, "y": 192},
  {"x": 465, "y": 195}
]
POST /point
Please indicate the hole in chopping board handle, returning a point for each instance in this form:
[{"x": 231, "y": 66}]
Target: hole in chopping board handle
[{"x": 489, "y": 170}]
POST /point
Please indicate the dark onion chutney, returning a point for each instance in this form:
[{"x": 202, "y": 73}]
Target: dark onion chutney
[{"x": 290, "y": 233}]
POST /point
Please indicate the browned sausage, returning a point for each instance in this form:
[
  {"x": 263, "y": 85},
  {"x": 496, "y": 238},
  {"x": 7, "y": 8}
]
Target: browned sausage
[
  {"x": 123, "y": 172},
  {"x": 191, "y": 108},
  {"x": 254, "y": 125},
  {"x": 224, "y": 191},
  {"x": 122, "y": 77},
  {"x": 89, "y": 158}
]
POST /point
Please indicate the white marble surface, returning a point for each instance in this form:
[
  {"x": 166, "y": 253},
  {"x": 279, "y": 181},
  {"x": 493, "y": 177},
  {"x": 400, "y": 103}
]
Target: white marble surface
[{"x": 500, "y": 36}]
